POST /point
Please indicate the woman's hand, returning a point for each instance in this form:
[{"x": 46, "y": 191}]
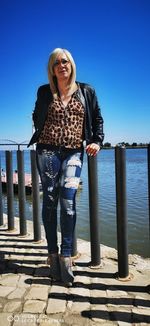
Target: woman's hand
[{"x": 92, "y": 149}]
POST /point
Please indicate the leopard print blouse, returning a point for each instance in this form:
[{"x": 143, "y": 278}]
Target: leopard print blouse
[{"x": 64, "y": 125}]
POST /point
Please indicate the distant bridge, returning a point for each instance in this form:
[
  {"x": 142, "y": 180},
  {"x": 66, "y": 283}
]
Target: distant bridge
[{"x": 10, "y": 142}]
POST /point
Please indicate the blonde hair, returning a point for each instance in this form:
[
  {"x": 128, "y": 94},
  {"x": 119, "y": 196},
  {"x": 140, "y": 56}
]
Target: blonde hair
[{"x": 52, "y": 78}]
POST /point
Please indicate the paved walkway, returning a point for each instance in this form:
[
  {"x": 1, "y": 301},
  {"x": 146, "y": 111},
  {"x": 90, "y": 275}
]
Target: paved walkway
[{"x": 28, "y": 297}]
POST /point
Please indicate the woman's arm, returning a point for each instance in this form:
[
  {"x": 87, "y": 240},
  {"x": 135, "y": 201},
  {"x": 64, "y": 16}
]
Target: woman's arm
[{"x": 97, "y": 128}]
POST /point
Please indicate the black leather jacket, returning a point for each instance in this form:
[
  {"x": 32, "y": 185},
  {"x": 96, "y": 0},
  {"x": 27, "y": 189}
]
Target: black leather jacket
[{"x": 93, "y": 123}]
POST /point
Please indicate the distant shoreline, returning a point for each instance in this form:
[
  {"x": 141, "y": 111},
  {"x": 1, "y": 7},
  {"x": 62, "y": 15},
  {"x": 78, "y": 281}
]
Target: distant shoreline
[{"x": 127, "y": 147}]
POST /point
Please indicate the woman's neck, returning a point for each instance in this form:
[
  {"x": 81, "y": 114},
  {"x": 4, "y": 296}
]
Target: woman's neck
[{"x": 66, "y": 90}]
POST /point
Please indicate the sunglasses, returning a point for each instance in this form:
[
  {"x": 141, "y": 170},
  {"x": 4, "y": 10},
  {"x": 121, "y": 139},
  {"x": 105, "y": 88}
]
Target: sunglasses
[{"x": 64, "y": 62}]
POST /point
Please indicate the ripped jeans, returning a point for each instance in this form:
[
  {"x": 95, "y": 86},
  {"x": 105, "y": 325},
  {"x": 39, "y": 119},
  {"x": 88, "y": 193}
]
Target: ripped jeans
[{"x": 60, "y": 171}]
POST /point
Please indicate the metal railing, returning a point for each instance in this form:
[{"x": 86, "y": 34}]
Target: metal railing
[{"x": 121, "y": 205}]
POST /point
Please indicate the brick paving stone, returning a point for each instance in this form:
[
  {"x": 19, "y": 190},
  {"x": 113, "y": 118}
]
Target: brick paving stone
[
  {"x": 142, "y": 301},
  {"x": 35, "y": 261},
  {"x": 99, "y": 313},
  {"x": 56, "y": 306},
  {"x": 98, "y": 280},
  {"x": 120, "y": 313},
  {"x": 76, "y": 320},
  {"x": 82, "y": 279},
  {"x": 34, "y": 306},
  {"x": 11, "y": 250},
  {"x": 5, "y": 290},
  {"x": 98, "y": 296},
  {"x": 123, "y": 323},
  {"x": 12, "y": 306},
  {"x": 141, "y": 314},
  {"x": 18, "y": 293},
  {"x": 141, "y": 324},
  {"x": 98, "y": 293},
  {"x": 61, "y": 290},
  {"x": 112, "y": 308},
  {"x": 80, "y": 293},
  {"x": 9, "y": 280},
  {"x": 19, "y": 258},
  {"x": 78, "y": 307},
  {"x": 105, "y": 323},
  {"x": 37, "y": 293},
  {"x": 116, "y": 294},
  {"x": 80, "y": 299}
]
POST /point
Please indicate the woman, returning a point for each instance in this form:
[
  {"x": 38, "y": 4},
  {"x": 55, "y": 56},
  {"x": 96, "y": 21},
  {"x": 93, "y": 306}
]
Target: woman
[{"x": 66, "y": 115}]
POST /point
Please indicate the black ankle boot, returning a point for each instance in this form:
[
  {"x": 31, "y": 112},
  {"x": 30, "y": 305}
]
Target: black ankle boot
[
  {"x": 53, "y": 261},
  {"x": 66, "y": 270}
]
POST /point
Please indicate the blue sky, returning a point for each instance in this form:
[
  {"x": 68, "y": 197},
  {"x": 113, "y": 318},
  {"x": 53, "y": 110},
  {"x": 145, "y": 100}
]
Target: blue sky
[{"x": 110, "y": 42}]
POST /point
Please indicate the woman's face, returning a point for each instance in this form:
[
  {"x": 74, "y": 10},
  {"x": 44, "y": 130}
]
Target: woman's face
[{"x": 62, "y": 67}]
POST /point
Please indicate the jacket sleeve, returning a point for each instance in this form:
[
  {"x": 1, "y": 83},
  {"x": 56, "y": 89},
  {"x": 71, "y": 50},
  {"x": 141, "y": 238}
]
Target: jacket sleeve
[
  {"x": 97, "y": 121},
  {"x": 37, "y": 108},
  {"x": 40, "y": 111}
]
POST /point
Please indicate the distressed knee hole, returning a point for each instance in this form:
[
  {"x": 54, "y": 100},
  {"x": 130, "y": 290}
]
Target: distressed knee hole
[
  {"x": 50, "y": 197},
  {"x": 50, "y": 189},
  {"x": 72, "y": 182},
  {"x": 68, "y": 207},
  {"x": 74, "y": 162}
]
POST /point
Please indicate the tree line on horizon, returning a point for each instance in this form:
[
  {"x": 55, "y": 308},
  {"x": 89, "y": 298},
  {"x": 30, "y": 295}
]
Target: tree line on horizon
[{"x": 126, "y": 144}]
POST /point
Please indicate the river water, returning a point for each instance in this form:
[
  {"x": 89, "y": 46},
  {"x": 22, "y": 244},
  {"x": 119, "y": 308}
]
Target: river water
[{"x": 137, "y": 199}]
